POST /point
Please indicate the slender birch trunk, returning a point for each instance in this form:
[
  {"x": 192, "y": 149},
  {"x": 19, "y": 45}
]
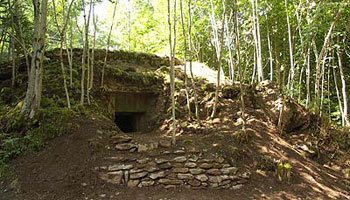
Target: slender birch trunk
[
  {"x": 292, "y": 69},
  {"x": 185, "y": 60},
  {"x": 345, "y": 120},
  {"x": 194, "y": 88},
  {"x": 108, "y": 41},
  {"x": 33, "y": 95},
  {"x": 219, "y": 49},
  {"x": 91, "y": 85},
  {"x": 241, "y": 79},
  {"x": 318, "y": 62},
  {"x": 62, "y": 33},
  {"x": 270, "y": 50},
  {"x": 85, "y": 58},
  {"x": 172, "y": 45}
]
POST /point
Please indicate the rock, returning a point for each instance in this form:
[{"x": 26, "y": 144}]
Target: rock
[
  {"x": 124, "y": 146},
  {"x": 147, "y": 183},
  {"x": 245, "y": 175},
  {"x": 151, "y": 169},
  {"x": 170, "y": 181},
  {"x": 180, "y": 170},
  {"x": 185, "y": 176},
  {"x": 166, "y": 165},
  {"x": 165, "y": 143},
  {"x": 226, "y": 182},
  {"x": 166, "y": 152},
  {"x": 160, "y": 160},
  {"x": 143, "y": 161},
  {"x": 133, "y": 171},
  {"x": 133, "y": 183},
  {"x": 193, "y": 150},
  {"x": 346, "y": 173},
  {"x": 193, "y": 159},
  {"x": 121, "y": 139},
  {"x": 179, "y": 152},
  {"x": 118, "y": 167},
  {"x": 190, "y": 164},
  {"x": 138, "y": 175},
  {"x": 170, "y": 186},
  {"x": 214, "y": 172},
  {"x": 153, "y": 145},
  {"x": 178, "y": 165},
  {"x": 229, "y": 170},
  {"x": 214, "y": 185},
  {"x": 126, "y": 176},
  {"x": 132, "y": 150},
  {"x": 194, "y": 183},
  {"x": 217, "y": 165},
  {"x": 196, "y": 171},
  {"x": 215, "y": 179},
  {"x": 237, "y": 187},
  {"x": 220, "y": 160},
  {"x": 157, "y": 175},
  {"x": 180, "y": 159},
  {"x": 206, "y": 165},
  {"x": 216, "y": 121},
  {"x": 113, "y": 177},
  {"x": 202, "y": 177},
  {"x": 226, "y": 186},
  {"x": 234, "y": 178},
  {"x": 142, "y": 148}
]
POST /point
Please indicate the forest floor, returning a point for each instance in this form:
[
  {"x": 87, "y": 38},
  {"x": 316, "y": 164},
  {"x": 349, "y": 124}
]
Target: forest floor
[{"x": 63, "y": 170}]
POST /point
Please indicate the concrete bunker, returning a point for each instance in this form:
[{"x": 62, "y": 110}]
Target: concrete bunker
[{"x": 133, "y": 110}]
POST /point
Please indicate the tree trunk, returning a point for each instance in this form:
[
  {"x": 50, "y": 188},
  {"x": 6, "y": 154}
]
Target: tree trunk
[
  {"x": 259, "y": 58},
  {"x": 292, "y": 70},
  {"x": 172, "y": 46},
  {"x": 318, "y": 62},
  {"x": 345, "y": 120},
  {"x": 270, "y": 50},
  {"x": 85, "y": 58},
  {"x": 219, "y": 49},
  {"x": 108, "y": 41},
  {"x": 194, "y": 88},
  {"x": 91, "y": 85},
  {"x": 185, "y": 60},
  {"x": 33, "y": 95},
  {"x": 62, "y": 32},
  {"x": 241, "y": 79}
]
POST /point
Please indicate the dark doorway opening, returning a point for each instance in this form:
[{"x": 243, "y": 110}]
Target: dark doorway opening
[{"x": 129, "y": 122}]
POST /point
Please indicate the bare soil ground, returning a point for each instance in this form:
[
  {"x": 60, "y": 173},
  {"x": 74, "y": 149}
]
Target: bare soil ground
[{"x": 64, "y": 169}]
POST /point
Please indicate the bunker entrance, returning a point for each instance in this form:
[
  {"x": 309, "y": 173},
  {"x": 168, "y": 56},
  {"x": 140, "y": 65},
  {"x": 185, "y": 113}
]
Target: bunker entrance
[
  {"x": 133, "y": 110},
  {"x": 129, "y": 122}
]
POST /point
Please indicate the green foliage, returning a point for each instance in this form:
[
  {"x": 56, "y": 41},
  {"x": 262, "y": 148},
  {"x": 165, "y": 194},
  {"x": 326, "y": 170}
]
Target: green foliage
[
  {"x": 266, "y": 163},
  {"x": 50, "y": 122}
]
